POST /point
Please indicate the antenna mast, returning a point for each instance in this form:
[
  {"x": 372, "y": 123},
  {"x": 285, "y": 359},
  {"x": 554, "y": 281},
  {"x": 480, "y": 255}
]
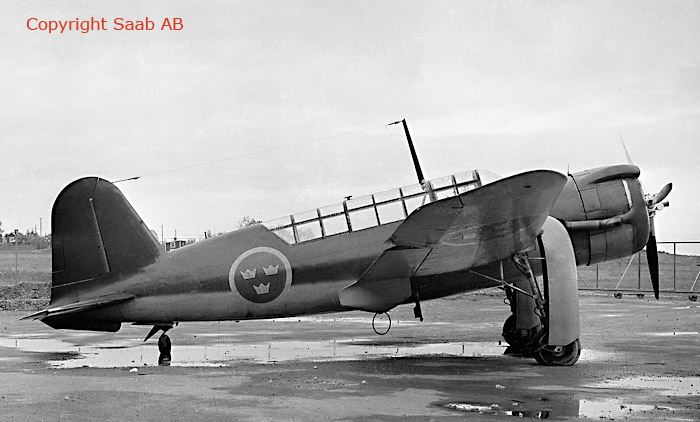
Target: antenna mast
[
  {"x": 414, "y": 156},
  {"x": 427, "y": 187}
]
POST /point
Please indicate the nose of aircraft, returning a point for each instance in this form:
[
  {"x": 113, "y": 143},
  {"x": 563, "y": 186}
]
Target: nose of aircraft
[{"x": 605, "y": 208}]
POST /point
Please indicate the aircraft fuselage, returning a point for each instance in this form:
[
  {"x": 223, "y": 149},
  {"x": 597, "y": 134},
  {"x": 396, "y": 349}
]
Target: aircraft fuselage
[{"x": 252, "y": 273}]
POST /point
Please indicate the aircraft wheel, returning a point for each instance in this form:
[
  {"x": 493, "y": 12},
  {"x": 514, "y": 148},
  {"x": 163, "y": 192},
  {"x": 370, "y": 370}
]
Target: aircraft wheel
[
  {"x": 509, "y": 331},
  {"x": 516, "y": 339},
  {"x": 164, "y": 348},
  {"x": 559, "y": 356}
]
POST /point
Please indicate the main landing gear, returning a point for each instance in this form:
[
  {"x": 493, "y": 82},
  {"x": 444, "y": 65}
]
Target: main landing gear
[
  {"x": 545, "y": 326},
  {"x": 559, "y": 355},
  {"x": 526, "y": 331}
]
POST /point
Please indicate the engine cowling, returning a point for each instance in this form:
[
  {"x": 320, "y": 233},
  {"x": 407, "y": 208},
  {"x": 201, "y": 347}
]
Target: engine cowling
[{"x": 604, "y": 212}]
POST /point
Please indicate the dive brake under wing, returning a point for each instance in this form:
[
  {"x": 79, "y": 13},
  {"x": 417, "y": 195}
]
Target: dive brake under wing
[{"x": 469, "y": 230}]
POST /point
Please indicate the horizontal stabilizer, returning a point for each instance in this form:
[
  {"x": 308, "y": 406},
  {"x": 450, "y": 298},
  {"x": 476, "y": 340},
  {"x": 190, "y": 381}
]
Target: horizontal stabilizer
[{"x": 100, "y": 302}]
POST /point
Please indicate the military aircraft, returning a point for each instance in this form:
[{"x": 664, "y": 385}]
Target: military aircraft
[{"x": 525, "y": 233}]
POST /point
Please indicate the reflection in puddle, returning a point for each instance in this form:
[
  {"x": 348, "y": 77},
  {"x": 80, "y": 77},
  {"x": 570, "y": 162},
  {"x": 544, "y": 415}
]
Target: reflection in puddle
[
  {"x": 607, "y": 409},
  {"x": 136, "y": 353},
  {"x": 495, "y": 410},
  {"x": 610, "y": 409},
  {"x": 466, "y": 407}
]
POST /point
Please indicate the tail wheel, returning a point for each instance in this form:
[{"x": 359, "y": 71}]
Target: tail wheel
[{"x": 559, "y": 355}]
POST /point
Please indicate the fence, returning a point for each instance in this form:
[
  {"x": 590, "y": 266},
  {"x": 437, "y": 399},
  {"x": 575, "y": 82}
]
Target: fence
[{"x": 679, "y": 271}]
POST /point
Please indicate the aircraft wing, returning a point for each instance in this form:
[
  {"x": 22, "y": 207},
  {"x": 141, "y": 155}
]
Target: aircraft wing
[
  {"x": 475, "y": 228},
  {"x": 481, "y": 226}
]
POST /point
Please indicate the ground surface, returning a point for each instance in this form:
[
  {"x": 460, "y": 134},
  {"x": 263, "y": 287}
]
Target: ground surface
[{"x": 640, "y": 363}]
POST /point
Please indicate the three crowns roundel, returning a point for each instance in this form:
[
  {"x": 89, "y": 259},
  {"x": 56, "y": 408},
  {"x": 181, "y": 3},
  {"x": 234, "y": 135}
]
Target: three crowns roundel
[{"x": 260, "y": 275}]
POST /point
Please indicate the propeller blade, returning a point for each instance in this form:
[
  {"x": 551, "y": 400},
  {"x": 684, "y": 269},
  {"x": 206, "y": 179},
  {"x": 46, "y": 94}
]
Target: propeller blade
[
  {"x": 651, "y": 202},
  {"x": 653, "y": 258},
  {"x": 662, "y": 194},
  {"x": 627, "y": 154}
]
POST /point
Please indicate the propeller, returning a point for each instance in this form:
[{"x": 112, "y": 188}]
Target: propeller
[{"x": 655, "y": 203}]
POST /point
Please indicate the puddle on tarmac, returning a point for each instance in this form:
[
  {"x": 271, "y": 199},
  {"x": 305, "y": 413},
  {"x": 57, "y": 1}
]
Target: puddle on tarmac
[
  {"x": 135, "y": 353},
  {"x": 611, "y": 409},
  {"x": 38, "y": 345},
  {"x": 676, "y": 333},
  {"x": 668, "y": 386},
  {"x": 607, "y": 409},
  {"x": 496, "y": 410}
]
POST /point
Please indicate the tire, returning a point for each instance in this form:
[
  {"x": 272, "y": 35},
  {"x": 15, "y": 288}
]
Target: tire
[
  {"x": 509, "y": 331},
  {"x": 566, "y": 356}
]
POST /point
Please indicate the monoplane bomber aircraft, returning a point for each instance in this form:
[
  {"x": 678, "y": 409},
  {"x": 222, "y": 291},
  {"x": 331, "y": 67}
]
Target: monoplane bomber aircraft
[{"x": 525, "y": 233}]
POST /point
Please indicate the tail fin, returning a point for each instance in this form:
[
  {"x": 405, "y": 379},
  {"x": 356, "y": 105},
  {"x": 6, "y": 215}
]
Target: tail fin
[{"x": 97, "y": 238}]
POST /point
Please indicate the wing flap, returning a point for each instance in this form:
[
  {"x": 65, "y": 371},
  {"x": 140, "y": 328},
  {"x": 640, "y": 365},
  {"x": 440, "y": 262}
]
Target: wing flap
[{"x": 386, "y": 283}]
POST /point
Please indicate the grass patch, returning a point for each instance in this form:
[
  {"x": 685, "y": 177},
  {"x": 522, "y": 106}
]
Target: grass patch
[
  {"x": 675, "y": 273},
  {"x": 23, "y": 265}
]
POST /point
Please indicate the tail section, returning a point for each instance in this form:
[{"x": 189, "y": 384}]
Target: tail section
[{"x": 97, "y": 239}]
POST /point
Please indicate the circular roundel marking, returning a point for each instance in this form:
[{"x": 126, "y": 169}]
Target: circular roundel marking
[{"x": 260, "y": 275}]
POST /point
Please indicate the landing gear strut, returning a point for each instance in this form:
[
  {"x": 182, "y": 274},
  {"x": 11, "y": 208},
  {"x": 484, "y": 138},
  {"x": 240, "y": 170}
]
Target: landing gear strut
[{"x": 526, "y": 329}]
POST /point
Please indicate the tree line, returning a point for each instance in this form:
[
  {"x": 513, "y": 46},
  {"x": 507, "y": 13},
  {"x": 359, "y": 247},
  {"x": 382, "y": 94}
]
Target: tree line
[{"x": 29, "y": 238}]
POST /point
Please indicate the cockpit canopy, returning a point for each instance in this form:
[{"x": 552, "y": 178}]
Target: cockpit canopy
[{"x": 361, "y": 213}]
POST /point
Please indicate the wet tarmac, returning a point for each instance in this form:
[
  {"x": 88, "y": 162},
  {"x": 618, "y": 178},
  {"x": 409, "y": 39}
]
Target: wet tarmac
[
  {"x": 640, "y": 362},
  {"x": 134, "y": 353}
]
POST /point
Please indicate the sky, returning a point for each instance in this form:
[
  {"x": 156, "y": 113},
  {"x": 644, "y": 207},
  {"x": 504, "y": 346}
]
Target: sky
[{"x": 268, "y": 108}]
